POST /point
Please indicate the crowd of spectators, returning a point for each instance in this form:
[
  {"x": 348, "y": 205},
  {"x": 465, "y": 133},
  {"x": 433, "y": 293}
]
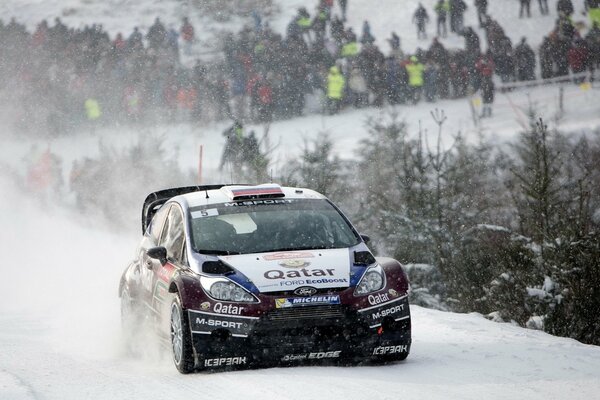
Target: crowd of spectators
[{"x": 62, "y": 77}]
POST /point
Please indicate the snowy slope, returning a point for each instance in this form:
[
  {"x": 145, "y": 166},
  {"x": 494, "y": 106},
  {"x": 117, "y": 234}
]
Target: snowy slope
[
  {"x": 384, "y": 16},
  {"x": 59, "y": 337},
  {"x": 581, "y": 113},
  {"x": 581, "y": 104}
]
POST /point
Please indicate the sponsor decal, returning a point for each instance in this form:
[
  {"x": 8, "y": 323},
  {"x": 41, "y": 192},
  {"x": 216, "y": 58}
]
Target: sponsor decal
[
  {"x": 278, "y": 274},
  {"x": 329, "y": 268},
  {"x": 160, "y": 291},
  {"x": 288, "y": 255},
  {"x": 381, "y": 350},
  {"x": 393, "y": 293},
  {"x": 324, "y": 281},
  {"x": 319, "y": 355},
  {"x": 294, "y": 263},
  {"x": 206, "y": 322},
  {"x": 305, "y": 291},
  {"x": 225, "y": 361},
  {"x": 258, "y": 202},
  {"x": 378, "y": 298},
  {"x": 227, "y": 309},
  {"x": 217, "y": 323},
  {"x": 388, "y": 311},
  {"x": 205, "y": 306},
  {"x": 397, "y": 309},
  {"x": 303, "y": 301},
  {"x": 165, "y": 272}
]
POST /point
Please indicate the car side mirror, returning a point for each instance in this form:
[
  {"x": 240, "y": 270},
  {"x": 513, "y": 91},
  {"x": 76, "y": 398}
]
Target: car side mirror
[
  {"x": 365, "y": 238},
  {"x": 158, "y": 253}
]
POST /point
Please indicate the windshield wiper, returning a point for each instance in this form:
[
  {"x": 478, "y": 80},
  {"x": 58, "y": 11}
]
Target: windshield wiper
[{"x": 219, "y": 252}]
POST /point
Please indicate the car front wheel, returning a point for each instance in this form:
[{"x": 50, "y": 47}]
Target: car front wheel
[{"x": 181, "y": 340}]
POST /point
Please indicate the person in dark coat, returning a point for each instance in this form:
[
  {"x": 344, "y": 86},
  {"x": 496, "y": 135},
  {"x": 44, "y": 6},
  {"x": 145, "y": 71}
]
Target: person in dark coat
[
  {"x": 504, "y": 59},
  {"x": 488, "y": 91},
  {"x": 472, "y": 42},
  {"x": 438, "y": 54},
  {"x": 337, "y": 31},
  {"x": 394, "y": 42},
  {"x": 593, "y": 43},
  {"x": 134, "y": 42},
  {"x": 430, "y": 81},
  {"x": 565, "y": 28},
  {"x": 343, "y": 7},
  {"x": 481, "y": 6},
  {"x": 457, "y": 11},
  {"x": 543, "y": 7},
  {"x": 565, "y": 7},
  {"x": 525, "y": 61},
  {"x": 525, "y": 8},
  {"x": 156, "y": 35},
  {"x": 560, "y": 50},
  {"x": 234, "y": 145},
  {"x": 421, "y": 18},
  {"x": 546, "y": 61},
  {"x": 367, "y": 37}
]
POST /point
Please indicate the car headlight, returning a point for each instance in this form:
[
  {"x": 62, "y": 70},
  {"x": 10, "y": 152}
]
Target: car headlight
[
  {"x": 226, "y": 290},
  {"x": 372, "y": 281}
]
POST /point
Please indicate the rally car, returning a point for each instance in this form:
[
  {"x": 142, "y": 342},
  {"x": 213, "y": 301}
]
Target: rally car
[{"x": 235, "y": 276}]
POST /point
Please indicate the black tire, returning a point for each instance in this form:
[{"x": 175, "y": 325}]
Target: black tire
[{"x": 181, "y": 338}]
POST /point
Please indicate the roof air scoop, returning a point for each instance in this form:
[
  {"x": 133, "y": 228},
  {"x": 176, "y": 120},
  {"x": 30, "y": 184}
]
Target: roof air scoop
[{"x": 265, "y": 191}]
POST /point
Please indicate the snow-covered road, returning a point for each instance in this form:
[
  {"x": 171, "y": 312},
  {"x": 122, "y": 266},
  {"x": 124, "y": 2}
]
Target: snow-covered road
[
  {"x": 453, "y": 357},
  {"x": 60, "y": 337}
]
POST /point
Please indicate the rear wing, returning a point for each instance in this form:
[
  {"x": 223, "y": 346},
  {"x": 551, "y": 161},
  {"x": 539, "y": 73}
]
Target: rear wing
[{"x": 155, "y": 200}]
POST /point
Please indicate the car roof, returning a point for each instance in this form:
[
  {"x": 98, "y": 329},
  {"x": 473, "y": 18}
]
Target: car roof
[{"x": 232, "y": 193}]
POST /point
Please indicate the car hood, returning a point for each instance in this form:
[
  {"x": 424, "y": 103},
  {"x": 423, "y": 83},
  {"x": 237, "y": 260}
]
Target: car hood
[{"x": 288, "y": 270}]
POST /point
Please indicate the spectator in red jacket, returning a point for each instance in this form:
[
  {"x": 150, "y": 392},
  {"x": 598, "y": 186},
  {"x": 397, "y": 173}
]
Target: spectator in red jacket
[
  {"x": 188, "y": 36},
  {"x": 578, "y": 56},
  {"x": 485, "y": 67}
]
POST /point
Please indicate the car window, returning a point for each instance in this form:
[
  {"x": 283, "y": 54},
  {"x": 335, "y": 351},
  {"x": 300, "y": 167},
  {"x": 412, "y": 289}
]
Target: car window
[
  {"x": 262, "y": 226},
  {"x": 173, "y": 235},
  {"x": 156, "y": 225}
]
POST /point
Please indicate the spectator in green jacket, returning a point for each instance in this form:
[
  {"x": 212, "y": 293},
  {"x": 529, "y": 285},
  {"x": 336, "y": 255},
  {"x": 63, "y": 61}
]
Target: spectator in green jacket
[
  {"x": 415, "y": 71},
  {"x": 335, "y": 89},
  {"x": 441, "y": 9}
]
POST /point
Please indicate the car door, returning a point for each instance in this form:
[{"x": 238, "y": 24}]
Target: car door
[
  {"x": 172, "y": 238},
  {"x": 145, "y": 265}
]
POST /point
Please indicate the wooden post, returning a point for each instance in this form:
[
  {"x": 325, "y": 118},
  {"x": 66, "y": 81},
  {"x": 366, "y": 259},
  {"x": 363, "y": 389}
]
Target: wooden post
[{"x": 561, "y": 92}]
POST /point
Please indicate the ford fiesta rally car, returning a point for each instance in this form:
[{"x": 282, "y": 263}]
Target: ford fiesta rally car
[{"x": 262, "y": 275}]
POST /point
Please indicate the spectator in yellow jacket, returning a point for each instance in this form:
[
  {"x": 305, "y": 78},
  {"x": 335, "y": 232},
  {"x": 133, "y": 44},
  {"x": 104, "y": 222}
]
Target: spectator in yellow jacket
[
  {"x": 415, "y": 71},
  {"x": 335, "y": 89}
]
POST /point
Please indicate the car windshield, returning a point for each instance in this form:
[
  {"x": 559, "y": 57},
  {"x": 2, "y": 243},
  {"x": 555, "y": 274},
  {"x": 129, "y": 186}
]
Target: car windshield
[{"x": 258, "y": 226}]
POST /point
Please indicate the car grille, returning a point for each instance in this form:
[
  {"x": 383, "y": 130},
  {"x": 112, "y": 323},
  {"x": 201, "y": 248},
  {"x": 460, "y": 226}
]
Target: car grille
[{"x": 306, "y": 312}]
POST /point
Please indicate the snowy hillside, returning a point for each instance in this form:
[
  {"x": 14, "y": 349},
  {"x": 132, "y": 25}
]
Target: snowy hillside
[
  {"x": 59, "y": 337},
  {"x": 580, "y": 104},
  {"x": 385, "y": 17}
]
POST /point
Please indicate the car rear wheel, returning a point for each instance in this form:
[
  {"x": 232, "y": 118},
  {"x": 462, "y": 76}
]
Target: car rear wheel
[{"x": 181, "y": 340}]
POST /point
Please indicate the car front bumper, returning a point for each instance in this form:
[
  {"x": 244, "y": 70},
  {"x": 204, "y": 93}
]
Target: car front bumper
[{"x": 303, "y": 334}]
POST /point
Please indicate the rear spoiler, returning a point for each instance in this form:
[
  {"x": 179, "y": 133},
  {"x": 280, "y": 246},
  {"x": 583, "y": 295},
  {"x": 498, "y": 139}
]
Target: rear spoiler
[{"x": 155, "y": 200}]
